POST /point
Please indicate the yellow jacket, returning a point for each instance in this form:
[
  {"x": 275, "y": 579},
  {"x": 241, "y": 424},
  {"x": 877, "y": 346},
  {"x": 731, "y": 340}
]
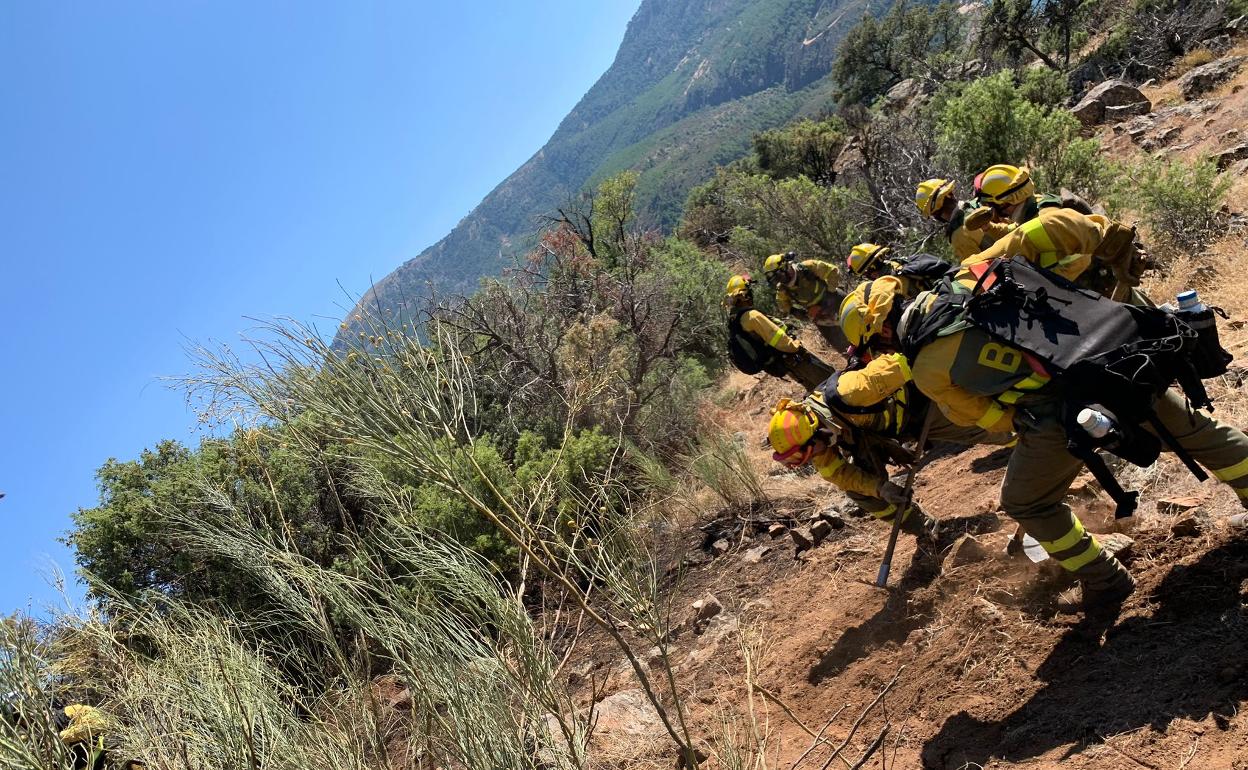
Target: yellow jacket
[
  {"x": 1058, "y": 239},
  {"x": 973, "y": 378},
  {"x": 814, "y": 279},
  {"x": 767, "y": 330},
  {"x": 884, "y": 377},
  {"x": 834, "y": 467},
  {"x": 881, "y": 378}
]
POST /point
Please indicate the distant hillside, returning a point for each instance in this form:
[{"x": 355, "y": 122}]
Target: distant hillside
[{"x": 693, "y": 79}]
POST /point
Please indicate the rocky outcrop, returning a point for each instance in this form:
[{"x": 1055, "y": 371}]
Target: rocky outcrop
[
  {"x": 902, "y": 95},
  {"x": 1111, "y": 102},
  {"x": 627, "y": 714},
  {"x": 1206, "y": 76},
  {"x": 1226, "y": 157}
]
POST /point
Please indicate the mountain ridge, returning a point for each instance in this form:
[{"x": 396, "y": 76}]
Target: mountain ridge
[{"x": 691, "y": 82}]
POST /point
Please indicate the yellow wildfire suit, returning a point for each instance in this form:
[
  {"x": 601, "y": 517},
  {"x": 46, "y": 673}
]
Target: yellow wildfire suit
[
  {"x": 858, "y": 463},
  {"x": 978, "y": 381},
  {"x": 1069, "y": 243},
  {"x": 1057, "y": 239},
  {"x": 84, "y": 734},
  {"x": 815, "y": 289},
  {"x": 806, "y": 369}
]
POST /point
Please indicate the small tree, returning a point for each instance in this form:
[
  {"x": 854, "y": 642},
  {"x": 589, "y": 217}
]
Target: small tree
[{"x": 909, "y": 41}]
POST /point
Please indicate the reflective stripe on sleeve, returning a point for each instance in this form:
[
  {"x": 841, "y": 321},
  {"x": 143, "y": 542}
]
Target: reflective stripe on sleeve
[
  {"x": 779, "y": 335},
  {"x": 1034, "y": 231},
  {"x": 903, "y": 364}
]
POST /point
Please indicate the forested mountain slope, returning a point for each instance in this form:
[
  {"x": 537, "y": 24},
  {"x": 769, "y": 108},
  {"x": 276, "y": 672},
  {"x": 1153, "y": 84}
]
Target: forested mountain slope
[{"x": 693, "y": 79}]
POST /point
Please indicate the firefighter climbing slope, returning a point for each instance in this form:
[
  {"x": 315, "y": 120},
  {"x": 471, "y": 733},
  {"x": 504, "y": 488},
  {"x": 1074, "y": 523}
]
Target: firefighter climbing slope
[
  {"x": 758, "y": 343},
  {"x": 1066, "y": 238},
  {"x": 969, "y": 227},
  {"x": 978, "y": 379},
  {"x": 917, "y": 272},
  {"x": 809, "y": 287},
  {"x": 853, "y": 427}
]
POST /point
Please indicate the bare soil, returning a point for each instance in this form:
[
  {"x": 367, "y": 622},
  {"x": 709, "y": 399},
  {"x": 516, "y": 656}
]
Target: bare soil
[{"x": 984, "y": 672}]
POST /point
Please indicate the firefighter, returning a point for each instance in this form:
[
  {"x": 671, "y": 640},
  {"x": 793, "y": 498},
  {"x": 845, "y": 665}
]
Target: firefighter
[
  {"x": 969, "y": 226},
  {"x": 978, "y": 381},
  {"x": 917, "y": 272},
  {"x": 811, "y": 287},
  {"x": 757, "y": 343},
  {"x": 853, "y": 426},
  {"x": 1088, "y": 249}
]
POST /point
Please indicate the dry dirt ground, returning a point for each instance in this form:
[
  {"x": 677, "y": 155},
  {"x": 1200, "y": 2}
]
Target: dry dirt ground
[{"x": 983, "y": 672}]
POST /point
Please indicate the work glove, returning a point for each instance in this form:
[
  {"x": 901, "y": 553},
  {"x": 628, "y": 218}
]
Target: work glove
[
  {"x": 977, "y": 219},
  {"x": 1118, "y": 250},
  {"x": 891, "y": 493}
]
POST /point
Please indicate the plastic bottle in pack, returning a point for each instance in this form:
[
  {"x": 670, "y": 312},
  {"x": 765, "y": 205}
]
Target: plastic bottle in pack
[
  {"x": 1189, "y": 302},
  {"x": 1096, "y": 424},
  {"x": 1208, "y": 357}
]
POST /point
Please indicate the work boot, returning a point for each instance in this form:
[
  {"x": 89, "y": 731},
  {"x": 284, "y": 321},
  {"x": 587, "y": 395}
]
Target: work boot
[
  {"x": 920, "y": 525},
  {"x": 1101, "y": 599}
]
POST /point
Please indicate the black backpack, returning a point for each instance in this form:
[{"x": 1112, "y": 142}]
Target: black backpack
[
  {"x": 1106, "y": 355},
  {"x": 750, "y": 354}
]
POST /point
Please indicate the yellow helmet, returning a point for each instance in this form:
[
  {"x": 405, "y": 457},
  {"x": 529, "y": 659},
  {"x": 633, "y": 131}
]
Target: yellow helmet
[
  {"x": 739, "y": 287},
  {"x": 792, "y": 426},
  {"x": 1004, "y": 185},
  {"x": 775, "y": 263},
  {"x": 932, "y": 194},
  {"x": 864, "y": 256},
  {"x": 866, "y": 308}
]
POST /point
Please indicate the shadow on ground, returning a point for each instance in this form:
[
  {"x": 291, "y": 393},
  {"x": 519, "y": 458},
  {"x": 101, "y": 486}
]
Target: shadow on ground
[
  {"x": 1186, "y": 659},
  {"x": 899, "y": 615}
]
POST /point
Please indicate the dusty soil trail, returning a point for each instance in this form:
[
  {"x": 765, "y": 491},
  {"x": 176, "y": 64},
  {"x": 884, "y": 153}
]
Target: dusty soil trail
[{"x": 984, "y": 673}]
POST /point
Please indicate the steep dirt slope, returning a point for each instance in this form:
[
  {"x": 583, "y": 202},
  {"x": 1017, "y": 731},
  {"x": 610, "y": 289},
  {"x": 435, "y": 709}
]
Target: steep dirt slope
[{"x": 987, "y": 675}]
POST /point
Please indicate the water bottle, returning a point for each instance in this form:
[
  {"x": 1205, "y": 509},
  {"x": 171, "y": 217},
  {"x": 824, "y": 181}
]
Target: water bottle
[
  {"x": 1189, "y": 302},
  {"x": 1207, "y": 356},
  {"x": 1096, "y": 424}
]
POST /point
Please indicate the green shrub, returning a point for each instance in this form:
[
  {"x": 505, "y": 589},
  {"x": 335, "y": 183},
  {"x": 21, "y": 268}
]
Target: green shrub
[
  {"x": 993, "y": 120},
  {"x": 1179, "y": 201},
  {"x": 805, "y": 148}
]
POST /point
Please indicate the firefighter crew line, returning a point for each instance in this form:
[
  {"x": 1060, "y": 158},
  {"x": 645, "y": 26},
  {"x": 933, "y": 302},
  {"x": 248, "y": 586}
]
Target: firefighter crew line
[{"x": 947, "y": 346}]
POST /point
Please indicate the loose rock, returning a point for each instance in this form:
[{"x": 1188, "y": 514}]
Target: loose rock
[
  {"x": 1172, "y": 505},
  {"x": 1229, "y": 156},
  {"x": 755, "y": 555},
  {"x": 966, "y": 550},
  {"x": 820, "y": 530},
  {"x": 1112, "y": 101},
  {"x": 802, "y": 538},
  {"x": 706, "y": 608},
  {"x": 1116, "y": 544},
  {"x": 1206, "y": 76},
  {"x": 719, "y": 547},
  {"x": 627, "y": 713},
  {"x": 776, "y": 530},
  {"x": 833, "y": 518},
  {"x": 1192, "y": 523},
  {"x": 1119, "y": 114}
]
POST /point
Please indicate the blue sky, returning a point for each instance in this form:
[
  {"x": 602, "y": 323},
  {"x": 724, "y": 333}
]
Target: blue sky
[{"x": 169, "y": 168}]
